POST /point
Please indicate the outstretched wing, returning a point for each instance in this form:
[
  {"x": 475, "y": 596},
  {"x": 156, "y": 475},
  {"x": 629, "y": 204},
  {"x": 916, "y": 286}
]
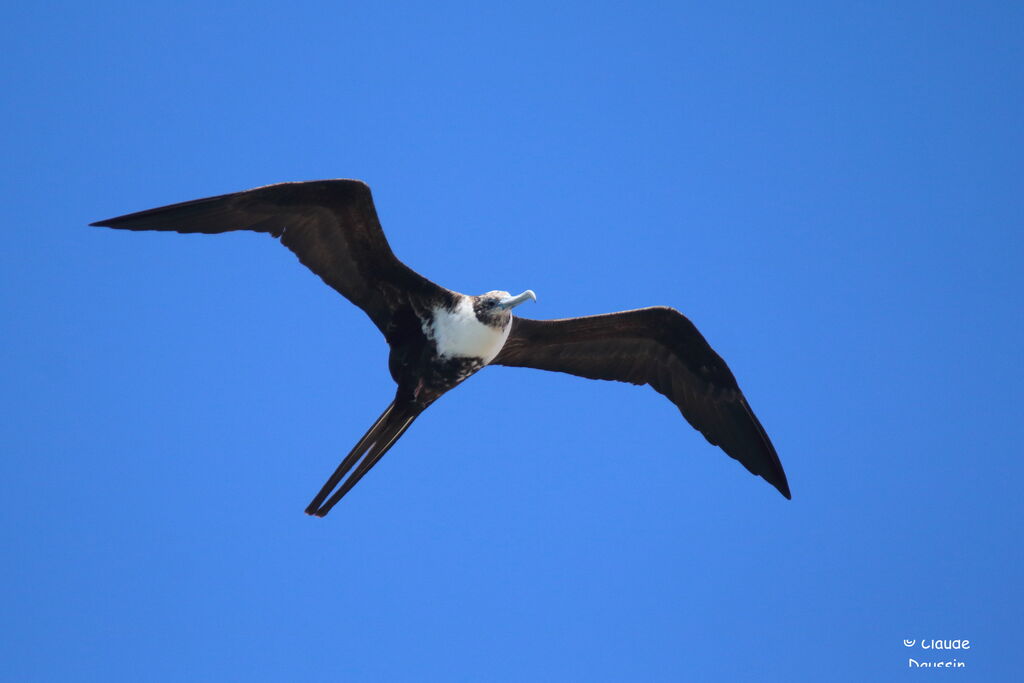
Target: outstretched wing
[
  {"x": 661, "y": 347},
  {"x": 331, "y": 225}
]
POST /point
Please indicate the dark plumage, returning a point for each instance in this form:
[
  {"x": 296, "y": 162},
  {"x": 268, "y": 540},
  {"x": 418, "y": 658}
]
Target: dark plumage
[
  {"x": 438, "y": 337},
  {"x": 657, "y": 346}
]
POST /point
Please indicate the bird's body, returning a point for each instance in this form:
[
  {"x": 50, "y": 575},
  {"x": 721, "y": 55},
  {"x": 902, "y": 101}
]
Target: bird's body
[{"x": 439, "y": 337}]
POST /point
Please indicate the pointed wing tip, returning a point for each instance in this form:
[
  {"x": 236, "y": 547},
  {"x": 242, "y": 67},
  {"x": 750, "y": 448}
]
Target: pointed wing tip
[
  {"x": 782, "y": 486},
  {"x": 116, "y": 222}
]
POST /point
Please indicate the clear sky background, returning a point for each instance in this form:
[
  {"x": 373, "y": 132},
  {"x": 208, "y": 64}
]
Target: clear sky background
[{"x": 832, "y": 192}]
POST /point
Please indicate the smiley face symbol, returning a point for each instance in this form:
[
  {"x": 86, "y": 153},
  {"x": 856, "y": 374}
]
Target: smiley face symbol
[{"x": 909, "y": 643}]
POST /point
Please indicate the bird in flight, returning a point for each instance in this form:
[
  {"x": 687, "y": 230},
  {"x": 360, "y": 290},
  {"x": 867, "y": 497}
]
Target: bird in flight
[{"x": 439, "y": 337}]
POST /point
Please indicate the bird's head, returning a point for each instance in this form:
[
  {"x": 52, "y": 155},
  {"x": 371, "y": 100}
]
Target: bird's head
[{"x": 493, "y": 308}]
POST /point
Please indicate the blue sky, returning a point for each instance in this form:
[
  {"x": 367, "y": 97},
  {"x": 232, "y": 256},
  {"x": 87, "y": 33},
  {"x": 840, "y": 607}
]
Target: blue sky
[{"x": 832, "y": 192}]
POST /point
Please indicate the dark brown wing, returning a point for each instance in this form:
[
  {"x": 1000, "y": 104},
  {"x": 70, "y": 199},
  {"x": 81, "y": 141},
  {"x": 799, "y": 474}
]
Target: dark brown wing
[
  {"x": 331, "y": 225},
  {"x": 660, "y": 347}
]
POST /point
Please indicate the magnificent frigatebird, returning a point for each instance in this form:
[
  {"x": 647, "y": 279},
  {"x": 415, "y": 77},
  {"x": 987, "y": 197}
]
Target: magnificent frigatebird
[{"x": 439, "y": 337}]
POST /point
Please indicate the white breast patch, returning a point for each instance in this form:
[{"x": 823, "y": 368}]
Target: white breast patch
[{"x": 458, "y": 333}]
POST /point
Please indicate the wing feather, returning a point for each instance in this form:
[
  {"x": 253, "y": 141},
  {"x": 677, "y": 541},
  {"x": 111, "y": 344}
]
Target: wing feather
[
  {"x": 330, "y": 225},
  {"x": 660, "y": 347}
]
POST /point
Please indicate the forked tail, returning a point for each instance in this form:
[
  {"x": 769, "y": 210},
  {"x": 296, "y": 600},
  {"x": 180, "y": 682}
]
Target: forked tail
[{"x": 388, "y": 428}]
